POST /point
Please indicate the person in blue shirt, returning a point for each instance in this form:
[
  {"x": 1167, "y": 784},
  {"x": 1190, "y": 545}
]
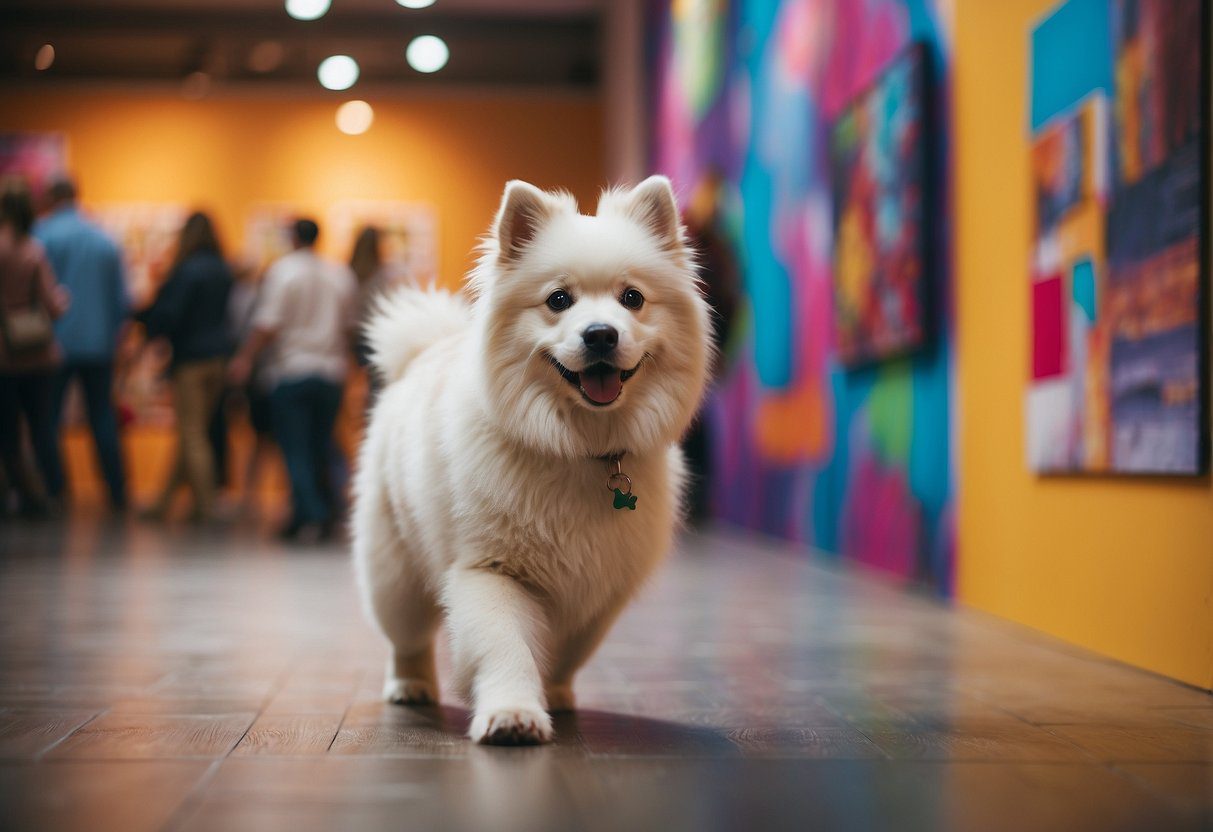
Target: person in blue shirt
[{"x": 89, "y": 265}]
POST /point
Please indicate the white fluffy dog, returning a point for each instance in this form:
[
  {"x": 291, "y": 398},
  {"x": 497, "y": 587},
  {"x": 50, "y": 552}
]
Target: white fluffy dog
[{"x": 521, "y": 474}]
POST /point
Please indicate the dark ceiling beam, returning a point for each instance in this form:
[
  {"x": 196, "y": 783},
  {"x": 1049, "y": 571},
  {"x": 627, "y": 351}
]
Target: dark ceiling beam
[
  {"x": 46, "y": 22},
  {"x": 491, "y": 49}
]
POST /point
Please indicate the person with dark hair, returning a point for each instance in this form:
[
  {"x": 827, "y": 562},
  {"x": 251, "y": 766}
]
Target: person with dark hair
[
  {"x": 254, "y": 395},
  {"x": 190, "y": 312},
  {"x": 720, "y": 278},
  {"x": 366, "y": 262},
  {"x": 303, "y": 327},
  {"x": 305, "y": 232},
  {"x": 30, "y": 299},
  {"x": 61, "y": 191},
  {"x": 89, "y": 264}
]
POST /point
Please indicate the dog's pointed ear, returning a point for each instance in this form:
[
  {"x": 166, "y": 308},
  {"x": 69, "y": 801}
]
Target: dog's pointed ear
[
  {"x": 652, "y": 204},
  {"x": 524, "y": 210}
]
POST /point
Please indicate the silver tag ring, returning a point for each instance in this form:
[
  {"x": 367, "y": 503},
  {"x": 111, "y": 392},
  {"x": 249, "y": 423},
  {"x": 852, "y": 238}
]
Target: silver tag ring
[{"x": 614, "y": 479}]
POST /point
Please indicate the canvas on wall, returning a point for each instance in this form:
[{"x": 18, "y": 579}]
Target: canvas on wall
[
  {"x": 267, "y": 236},
  {"x": 147, "y": 233},
  {"x": 35, "y": 157},
  {"x": 853, "y": 462},
  {"x": 1117, "y": 378},
  {"x": 878, "y": 168},
  {"x": 408, "y": 235}
]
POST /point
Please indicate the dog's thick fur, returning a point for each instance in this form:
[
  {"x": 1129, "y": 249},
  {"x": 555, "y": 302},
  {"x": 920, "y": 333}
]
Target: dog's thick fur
[{"x": 481, "y": 490}]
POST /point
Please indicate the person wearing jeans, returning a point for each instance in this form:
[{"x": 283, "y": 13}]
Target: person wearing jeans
[
  {"x": 27, "y": 366},
  {"x": 190, "y": 312},
  {"x": 303, "y": 329},
  {"x": 89, "y": 265},
  {"x": 304, "y": 412}
]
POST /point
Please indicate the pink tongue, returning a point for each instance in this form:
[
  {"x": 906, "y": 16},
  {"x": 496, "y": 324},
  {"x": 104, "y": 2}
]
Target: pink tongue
[{"x": 602, "y": 388}]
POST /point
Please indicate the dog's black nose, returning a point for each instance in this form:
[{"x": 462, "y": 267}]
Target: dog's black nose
[{"x": 600, "y": 338}]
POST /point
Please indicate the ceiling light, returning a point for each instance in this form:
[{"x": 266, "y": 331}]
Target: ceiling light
[
  {"x": 416, "y": 4},
  {"x": 354, "y": 117},
  {"x": 44, "y": 57},
  {"x": 307, "y": 9},
  {"x": 427, "y": 53},
  {"x": 337, "y": 72}
]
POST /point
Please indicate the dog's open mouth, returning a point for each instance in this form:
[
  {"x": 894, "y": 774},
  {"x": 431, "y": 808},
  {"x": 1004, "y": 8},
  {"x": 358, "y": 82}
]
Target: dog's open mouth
[{"x": 600, "y": 384}]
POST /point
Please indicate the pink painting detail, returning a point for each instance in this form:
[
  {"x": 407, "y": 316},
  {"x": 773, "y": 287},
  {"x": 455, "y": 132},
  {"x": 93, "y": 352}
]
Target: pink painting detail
[
  {"x": 885, "y": 532},
  {"x": 1048, "y": 328}
]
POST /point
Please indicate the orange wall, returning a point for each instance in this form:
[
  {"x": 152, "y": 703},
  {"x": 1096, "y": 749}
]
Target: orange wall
[
  {"x": 226, "y": 154},
  {"x": 1122, "y": 566}
]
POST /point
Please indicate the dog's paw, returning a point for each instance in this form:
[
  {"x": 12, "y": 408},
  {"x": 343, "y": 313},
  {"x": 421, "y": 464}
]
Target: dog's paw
[
  {"x": 410, "y": 692},
  {"x": 511, "y": 726},
  {"x": 561, "y": 699}
]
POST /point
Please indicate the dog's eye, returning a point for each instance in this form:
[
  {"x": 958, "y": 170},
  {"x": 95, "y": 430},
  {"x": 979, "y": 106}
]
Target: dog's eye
[
  {"x": 559, "y": 300},
  {"x": 632, "y": 299}
]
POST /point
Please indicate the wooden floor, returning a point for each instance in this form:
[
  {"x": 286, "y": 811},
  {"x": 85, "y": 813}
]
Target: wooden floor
[{"x": 186, "y": 680}]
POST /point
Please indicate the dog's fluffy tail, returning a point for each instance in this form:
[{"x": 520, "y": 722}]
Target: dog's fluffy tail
[{"x": 406, "y": 321}]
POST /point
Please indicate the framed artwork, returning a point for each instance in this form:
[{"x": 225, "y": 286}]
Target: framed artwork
[
  {"x": 267, "y": 235},
  {"x": 1118, "y": 283},
  {"x": 35, "y": 157},
  {"x": 408, "y": 235},
  {"x": 879, "y": 171},
  {"x": 147, "y": 233}
]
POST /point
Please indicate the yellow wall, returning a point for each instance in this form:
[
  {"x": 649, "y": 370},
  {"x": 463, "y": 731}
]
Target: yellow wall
[
  {"x": 1122, "y": 566},
  {"x": 227, "y": 154}
]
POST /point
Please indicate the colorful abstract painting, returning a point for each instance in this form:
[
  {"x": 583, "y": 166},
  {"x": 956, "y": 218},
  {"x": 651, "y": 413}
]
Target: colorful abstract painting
[
  {"x": 879, "y": 171},
  {"x": 35, "y": 157},
  {"x": 856, "y": 463},
  {"x": 1117, "y": 291}
]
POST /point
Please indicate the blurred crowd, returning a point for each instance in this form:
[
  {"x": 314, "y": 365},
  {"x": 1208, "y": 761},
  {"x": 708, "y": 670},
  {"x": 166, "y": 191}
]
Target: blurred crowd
[{"x": 271, "y": 349}]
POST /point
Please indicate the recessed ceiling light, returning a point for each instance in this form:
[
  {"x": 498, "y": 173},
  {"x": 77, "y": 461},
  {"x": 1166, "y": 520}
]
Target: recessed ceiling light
[
  {"x": 44, "y": 57},
  {"x": 427, "y": 53},
  {"x": 354, "y": 117},
  {"x": 307, "y": 9},
  {"x": 337, "y": 72},
  {"x": 416, "y": 4}
]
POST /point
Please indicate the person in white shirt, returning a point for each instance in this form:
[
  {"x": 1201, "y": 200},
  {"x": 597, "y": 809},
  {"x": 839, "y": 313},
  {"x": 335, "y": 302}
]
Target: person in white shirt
[{"x": 303, "y": 330}]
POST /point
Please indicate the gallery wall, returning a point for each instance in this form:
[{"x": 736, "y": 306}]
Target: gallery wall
[
  {"x": 855, "y": 462},
  {"x": 870, "y": 465},
  {"x": 1120, "y": 565},
  {"x": 229, "y": 154}
]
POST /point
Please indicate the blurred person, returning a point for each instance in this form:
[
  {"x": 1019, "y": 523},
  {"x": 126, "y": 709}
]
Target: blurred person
[
  {"x": 30, "y": 300},
  {"x": 720, "y": 278},
  {"x": 304, "y": 324},
  {"x": 217, "y": 439},
  {"x": 89, "y": 265},
  {"x": 190, "y": 312},
  {"x": 254, "y": 394},
  {"x": 366, "y": 262}
]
